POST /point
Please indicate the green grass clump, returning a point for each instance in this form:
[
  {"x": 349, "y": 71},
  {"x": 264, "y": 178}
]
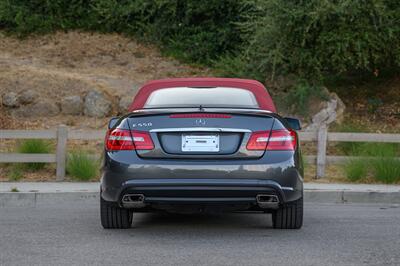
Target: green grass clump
[
  {"x": 356, "y": 170},
  {"x": 14, "y": 189},
  {"x": 364, "y": 148},
  {"x": 380, "y": 160},
  {"x": 34, "y": 146},
  {"x": 15, "y": 172},
  {"x": 386, "y": 169},
  {"x": 379, "y": 149},
  {"x": 81, "y": 166},
  {"x": 350, "y": 148}
]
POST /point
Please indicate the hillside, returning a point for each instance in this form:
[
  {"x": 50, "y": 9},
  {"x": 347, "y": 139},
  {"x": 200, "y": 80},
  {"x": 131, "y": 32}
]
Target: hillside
[{"x": 64, "y": 64}]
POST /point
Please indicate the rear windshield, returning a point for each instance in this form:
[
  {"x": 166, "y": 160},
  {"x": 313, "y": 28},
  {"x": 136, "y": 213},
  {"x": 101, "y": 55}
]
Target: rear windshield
[{"x": 205, "y": 97}]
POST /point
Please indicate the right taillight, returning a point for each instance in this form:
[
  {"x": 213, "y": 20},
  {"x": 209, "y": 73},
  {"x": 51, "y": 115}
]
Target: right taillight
[
  {"x": 275, "y": 140},
  {"x": 122, "y": 139},
  {"x": 258, "y": 141},
  {"x": 282, "y": 140},
  {"x": 142, "y": 140}
]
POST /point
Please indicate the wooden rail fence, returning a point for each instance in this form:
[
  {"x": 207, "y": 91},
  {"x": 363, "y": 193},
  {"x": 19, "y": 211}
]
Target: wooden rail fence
[{"x": 62, "y": 134}]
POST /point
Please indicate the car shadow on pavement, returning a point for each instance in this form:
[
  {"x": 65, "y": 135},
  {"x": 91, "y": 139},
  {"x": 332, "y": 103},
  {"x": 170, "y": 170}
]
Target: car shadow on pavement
[{"x": 207, "y": 220}]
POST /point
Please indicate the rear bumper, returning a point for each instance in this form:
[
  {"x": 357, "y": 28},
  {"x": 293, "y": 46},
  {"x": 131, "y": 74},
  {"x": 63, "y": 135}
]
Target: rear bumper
[
  {"x": 203, "y": 182},
  {"x": 201, "y": 191}
]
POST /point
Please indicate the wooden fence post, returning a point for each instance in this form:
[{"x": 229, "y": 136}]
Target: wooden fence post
[
  {"x": 321, "y": 150},
  {"x": 61, "y": 153}
]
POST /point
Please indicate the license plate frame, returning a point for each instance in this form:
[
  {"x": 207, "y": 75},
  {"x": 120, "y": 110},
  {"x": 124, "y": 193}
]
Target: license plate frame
[{"x": 200, "y": 143}]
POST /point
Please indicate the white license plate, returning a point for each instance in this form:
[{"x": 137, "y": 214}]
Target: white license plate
[{"x": 200, "y": 143}]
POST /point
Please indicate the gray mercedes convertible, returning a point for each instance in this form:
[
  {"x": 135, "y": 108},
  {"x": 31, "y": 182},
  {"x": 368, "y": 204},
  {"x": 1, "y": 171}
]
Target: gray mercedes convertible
[{"x": 191, "y": 145}]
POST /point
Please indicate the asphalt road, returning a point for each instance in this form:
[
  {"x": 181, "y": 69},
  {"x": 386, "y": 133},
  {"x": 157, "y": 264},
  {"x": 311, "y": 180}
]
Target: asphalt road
[{"x": 72, "y": 235}]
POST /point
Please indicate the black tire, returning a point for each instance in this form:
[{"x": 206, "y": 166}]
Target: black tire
[
  {"x": 114, "y": 217},
  {"x": 289, "y": 216}
]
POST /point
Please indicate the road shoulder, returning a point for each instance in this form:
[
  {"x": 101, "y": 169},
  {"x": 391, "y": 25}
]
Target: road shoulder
[{"x": 32, "y": 194}]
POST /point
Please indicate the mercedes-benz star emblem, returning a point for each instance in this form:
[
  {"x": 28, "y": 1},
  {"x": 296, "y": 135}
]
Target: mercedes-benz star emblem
[{"x": 200, "y": 122}]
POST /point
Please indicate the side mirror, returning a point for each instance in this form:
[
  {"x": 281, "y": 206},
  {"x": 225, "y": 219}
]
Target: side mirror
[
  {"x": 113, "y": 121},
  {"x": 294, "y": 123}
]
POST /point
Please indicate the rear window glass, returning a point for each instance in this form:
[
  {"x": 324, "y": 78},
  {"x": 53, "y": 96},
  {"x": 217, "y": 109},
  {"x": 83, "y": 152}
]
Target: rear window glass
[{"x": 206, "y": 97}]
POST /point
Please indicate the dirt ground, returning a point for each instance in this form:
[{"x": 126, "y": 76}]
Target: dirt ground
[
  {"x": 372, "y": 105},
  {"x": 72, "y": 63}
]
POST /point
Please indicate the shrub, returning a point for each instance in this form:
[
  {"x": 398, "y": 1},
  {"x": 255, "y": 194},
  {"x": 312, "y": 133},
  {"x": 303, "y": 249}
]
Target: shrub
[
  {"x": 253, "y": 38},
  {"x": 196, "y": 31},
  {"x": 356, "y": 170},
  {"x": 41, "y": 16},
  {"x": 81, "y": 166},
  {"x": 233, "y": 65},
  {"x": 317, "y": 38},
  {"x": 300, "y": 94},
  {"x": 34, "y": 146}
]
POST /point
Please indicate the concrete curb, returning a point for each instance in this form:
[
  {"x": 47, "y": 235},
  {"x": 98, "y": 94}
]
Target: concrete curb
[
  {"x": 344, "y": 196},
  {"x": 42, "y": 199}
]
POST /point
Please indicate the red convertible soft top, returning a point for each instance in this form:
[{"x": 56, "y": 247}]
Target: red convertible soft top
[{"x": 260, "y": 92}]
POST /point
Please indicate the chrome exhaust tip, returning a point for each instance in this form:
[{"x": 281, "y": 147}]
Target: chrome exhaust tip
[
  {"x": 133, "y": 201},
  {"x": 266, "y": 201}
]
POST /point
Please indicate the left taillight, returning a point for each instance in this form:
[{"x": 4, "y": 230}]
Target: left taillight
[{"x": 122, "y": 139}]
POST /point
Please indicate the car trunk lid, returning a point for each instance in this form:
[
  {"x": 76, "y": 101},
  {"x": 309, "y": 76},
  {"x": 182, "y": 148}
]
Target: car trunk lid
[{"x": 201, "y": 135}]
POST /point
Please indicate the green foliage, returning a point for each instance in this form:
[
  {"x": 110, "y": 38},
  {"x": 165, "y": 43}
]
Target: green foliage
[
  {"x": 14, "y": 189},
  {"x": 374, "y": 104},
  {"x": 316, "y": 38},
  {"x": 299, "y": 96},
  {"x": 81, "y": 166},
  {"x": 365, "y": 148},
  {"x": 15, "y": 172},
  {"x": 259, "y": 39},
  {"x": 350, "y": 148},
  {"x": 191, "y": 30},
  {"x": 233, "y": 65},
  {"x": 386, "y": 169},
  {"x": 34, "y": 146},
  {"x": 379, "y": 149},
  {"x": 356, "y": 169},
  {"x": 380, "y": 160},
  {"x": 41, "y": 16}
]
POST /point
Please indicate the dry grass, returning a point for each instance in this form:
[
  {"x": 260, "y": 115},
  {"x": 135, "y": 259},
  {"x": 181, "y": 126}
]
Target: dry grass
[{"x": 72, "y": 63}]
